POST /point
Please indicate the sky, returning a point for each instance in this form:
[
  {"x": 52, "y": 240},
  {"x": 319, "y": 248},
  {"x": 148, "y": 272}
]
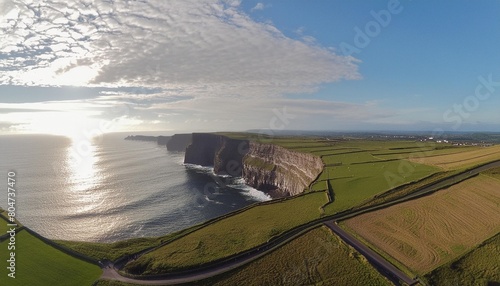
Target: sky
[{"x": 95, "y": 66}]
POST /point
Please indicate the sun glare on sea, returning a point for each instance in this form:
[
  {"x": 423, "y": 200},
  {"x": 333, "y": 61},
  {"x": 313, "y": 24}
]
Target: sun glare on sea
[{"x": 84, "y": 175}]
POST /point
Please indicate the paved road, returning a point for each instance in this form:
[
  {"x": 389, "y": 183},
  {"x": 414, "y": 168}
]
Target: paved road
[
  {"x": 372, "y": 256},
  {"x": 252, "y": 254}
]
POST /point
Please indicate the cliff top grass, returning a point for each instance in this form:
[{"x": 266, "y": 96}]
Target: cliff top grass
[
  {"x": 231, "y": 235},
  {"x": 115, "y": 250},
  {"x": 38, "y": 263},
  {"x": 316, "y": 258}
]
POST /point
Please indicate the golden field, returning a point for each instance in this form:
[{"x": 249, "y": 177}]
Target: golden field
[
  {"x": 461, "y": 160},
  {"x": 427, "y": 232}
]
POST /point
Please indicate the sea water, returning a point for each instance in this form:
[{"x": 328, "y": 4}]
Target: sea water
[{"x": 108, "y": 189}]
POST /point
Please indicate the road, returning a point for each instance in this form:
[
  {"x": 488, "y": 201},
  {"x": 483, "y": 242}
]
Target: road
[
  {"x": 210, "y": 270},
  {"x": 371, "y": 255}
]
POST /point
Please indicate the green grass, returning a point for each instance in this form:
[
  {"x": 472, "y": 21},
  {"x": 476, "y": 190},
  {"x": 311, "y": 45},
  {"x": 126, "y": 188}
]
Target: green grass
[
  {"x": 231, "y": 235},
  {"x": 115, "y": 250},
  {"x": 3, "y": 226},
  {"x": 110, "y": 251},
  {"x": 316, "y": 258},
  {"x": 423, "y": 152},
  {"x": 478, "y": 267},
  {"x": 40, "y": 264},
  {"x": 104, "y": 282},
  {"x": 354, "y": 184},
  {"x": 494, "y": 173},
  {"x": 406, "y": 189}
]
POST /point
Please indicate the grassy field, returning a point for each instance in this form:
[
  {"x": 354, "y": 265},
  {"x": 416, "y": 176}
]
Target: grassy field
[
  {"x": 231, "y": 235},
  {"x": 315, "y": 258},
  {"x": 110, "y": 251},
  {"x": 355, "y": 183},
  {"x": 427, "y": 232},
  {"x": 103, "y": 282},
  {"x": 3, "y": 226},
  {"x": 494, "y": 173},
  {"x": 462, "y": 160},
  {"x": 40, "y": 264},
  {"x": 479, "y": 267}
]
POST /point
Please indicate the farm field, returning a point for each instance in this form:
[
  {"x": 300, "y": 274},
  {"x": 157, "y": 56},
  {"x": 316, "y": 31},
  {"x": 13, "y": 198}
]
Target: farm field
[
  {"x": 355, "y": 175},
  {"x": 427, "y": 232},
  {"x": 39, "y": 264},
  {"x": 463, "y": 159},
  {"x": 494, "y": 173},
  {"x": 316, "y": 258},
  {"x": 478, "y": 267},
  {"x": 355, "y": 183},
  {"x": 231, "y": 235}
]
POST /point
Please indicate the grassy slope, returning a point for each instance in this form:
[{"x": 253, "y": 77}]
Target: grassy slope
[
  {"x": 231, "y": 235},
  {"x": 110, "y": 251},
  {"x": 317, "y": 257},
  {"x": 353, "y": 184},
  {"x": 494, "y": 173},
  {"x": 115, "y": 250},
  {"x": 3, "y": 226},
  {"x": 477, "y": 267},
  {"x": 40, "y": 264}
]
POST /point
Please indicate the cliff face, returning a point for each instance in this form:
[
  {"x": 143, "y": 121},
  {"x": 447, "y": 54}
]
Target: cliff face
[
  {"x": 179, "y": 142},
  {"x": 280, "y": 171},
  {"x": 274, "y": 169}
]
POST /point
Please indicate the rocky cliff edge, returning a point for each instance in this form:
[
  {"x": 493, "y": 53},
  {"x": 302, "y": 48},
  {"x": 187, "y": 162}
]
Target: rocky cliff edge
[{"x": 276, "y": 170}]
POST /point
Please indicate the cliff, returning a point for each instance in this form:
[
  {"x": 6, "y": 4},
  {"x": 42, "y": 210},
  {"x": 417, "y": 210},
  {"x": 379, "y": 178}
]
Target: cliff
[
  {"x": 280, "y": 171},
  {"x": 270, "y": 168},
  {"x": 179, "y": 142}
]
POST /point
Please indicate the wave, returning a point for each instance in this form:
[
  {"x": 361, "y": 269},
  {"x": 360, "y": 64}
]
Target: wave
[
  {"x": 250, "y": 192},
  {"x": 199, "y": 168},
  {"x": 235, "y": 183}
]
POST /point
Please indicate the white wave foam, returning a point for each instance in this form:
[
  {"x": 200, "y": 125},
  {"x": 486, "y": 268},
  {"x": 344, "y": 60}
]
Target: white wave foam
[
  {"x": 201, "y": 169},
  {"x": 250, "y": 192},
  {"x": 213, "y": 201}
]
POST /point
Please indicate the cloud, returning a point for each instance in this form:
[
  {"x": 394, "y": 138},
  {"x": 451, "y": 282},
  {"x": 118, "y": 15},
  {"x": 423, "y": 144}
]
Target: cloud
[
  {"x": 201, "y": 47},
  {"x": 216, "y": 113},
  {"x": 258, "y": 6}
]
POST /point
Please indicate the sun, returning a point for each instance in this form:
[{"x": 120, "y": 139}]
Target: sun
[{"x": 74, "y": 125}]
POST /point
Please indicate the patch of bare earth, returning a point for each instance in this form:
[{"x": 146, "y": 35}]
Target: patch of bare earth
[{"x": 427, "y": 232}]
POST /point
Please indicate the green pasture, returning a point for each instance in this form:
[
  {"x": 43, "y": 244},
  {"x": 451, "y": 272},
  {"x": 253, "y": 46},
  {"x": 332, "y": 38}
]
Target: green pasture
[
  {"x": 231, "y": 235},
  {"x": 354, "y": 184},
  {"x": 38, "y": 263},
  {"x": 316, "y": 258}
]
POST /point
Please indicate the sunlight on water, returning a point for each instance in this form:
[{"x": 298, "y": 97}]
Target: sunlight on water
[{"x": 84, "y": 175}]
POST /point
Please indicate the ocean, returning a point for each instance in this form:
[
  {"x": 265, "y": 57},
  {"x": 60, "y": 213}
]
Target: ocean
[{"x": 108, "y": 189}]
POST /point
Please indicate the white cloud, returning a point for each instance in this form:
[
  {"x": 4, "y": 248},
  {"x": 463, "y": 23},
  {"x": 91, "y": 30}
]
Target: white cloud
[
  {"x": 258, "y": 6},
  {"x": 216, "y": 113},
  {"x": 202, "y": 47}
]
